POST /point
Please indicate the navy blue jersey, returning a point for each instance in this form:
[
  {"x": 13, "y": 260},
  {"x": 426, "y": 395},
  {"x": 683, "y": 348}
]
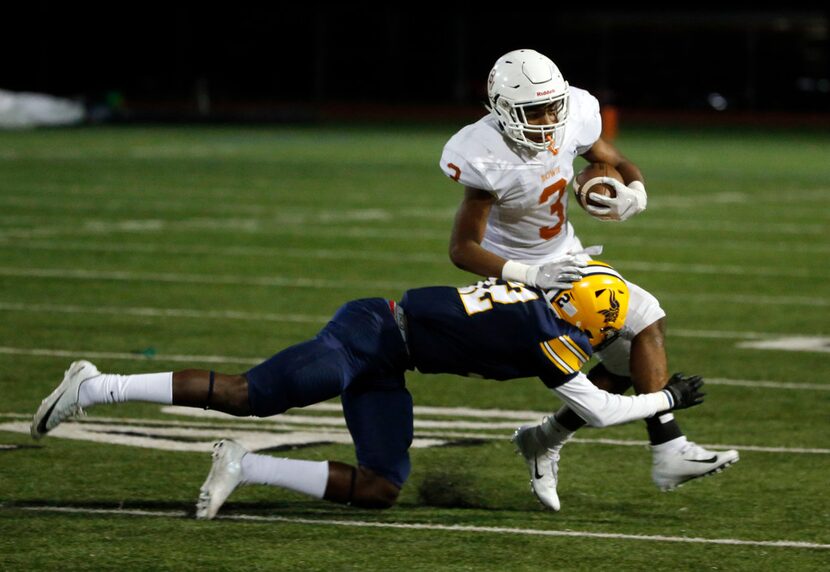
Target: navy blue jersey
[{"x": 493, "y": 329}]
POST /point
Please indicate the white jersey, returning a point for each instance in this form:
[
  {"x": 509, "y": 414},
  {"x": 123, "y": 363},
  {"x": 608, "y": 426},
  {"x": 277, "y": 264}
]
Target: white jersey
[{"x": 528, "y": 222}]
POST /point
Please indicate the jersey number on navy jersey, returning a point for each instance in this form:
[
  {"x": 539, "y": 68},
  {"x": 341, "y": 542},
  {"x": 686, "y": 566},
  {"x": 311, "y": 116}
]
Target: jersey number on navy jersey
[{"x": 480, "y": 297}]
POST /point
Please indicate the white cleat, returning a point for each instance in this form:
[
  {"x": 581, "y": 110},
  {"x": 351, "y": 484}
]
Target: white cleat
[
  {"x": 225, "y": 475},
  {"x": 62, "y": 403},
  {"x": 543, "y": 464},
  {"x": 671, "y": 470}
]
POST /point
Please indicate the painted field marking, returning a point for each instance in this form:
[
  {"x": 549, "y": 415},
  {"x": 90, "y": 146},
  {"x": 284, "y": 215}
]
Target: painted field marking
[
  {"x": 433, "y": 527},
  {"x": 118, "y": 202},
  {"x": 7, "y": 238},
  {"x": 196, "y": 359},
  {"x": 294, "y": 428},
  {"x": 775, "y": 340},
  {"x": 74, "y": 354},
  {"x": 182, "y": 278},
  {"x": 414, "y": 257},
  {"x": 145, "y": 311},
  {"x": 363, "y": 285},
  {"x": 298, "y": 226},
  {"x": 241, "y": 225},
  {"x": 277, "y": 251},
  {"x": 762, "y": 384},
  {"x": 165, "y": 312},
  {"x": 791, "y": 344}
]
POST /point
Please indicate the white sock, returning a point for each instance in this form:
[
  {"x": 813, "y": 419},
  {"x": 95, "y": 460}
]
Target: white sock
[
  {"x": 307, "y": 477},
  {"x": 114, "y": 388},
  {"x": 670, "y": 446},
  {"x": 553, "y": 434}
]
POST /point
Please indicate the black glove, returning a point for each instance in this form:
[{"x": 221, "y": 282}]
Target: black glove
[{"x": 685, "y": 391}]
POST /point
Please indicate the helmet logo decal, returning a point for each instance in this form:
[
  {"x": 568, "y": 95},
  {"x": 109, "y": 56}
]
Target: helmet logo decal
[{"x": 612, "y": 313}]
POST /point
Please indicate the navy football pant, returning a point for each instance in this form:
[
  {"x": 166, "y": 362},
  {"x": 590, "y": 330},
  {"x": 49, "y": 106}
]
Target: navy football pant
[{"x": 360, "y": 356}]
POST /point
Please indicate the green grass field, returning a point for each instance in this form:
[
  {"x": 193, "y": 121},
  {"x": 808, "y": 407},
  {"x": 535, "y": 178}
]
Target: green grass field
[{"x": 151, "y": 249}]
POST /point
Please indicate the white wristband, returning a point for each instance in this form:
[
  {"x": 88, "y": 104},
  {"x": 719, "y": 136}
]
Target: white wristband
[{"x": 515, "y": 271}]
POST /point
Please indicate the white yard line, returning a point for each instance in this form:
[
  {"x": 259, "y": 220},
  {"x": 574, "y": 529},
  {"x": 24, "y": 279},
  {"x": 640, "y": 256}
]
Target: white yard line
[
  {"x": 240, "y": 225},
  {"x": 277, "y": 251},
  {"x": 774, "y": 341},
  {"x": 77, "y": 354},
  {"x": 204, "y": 279},
  {"x": 790, "y": 343},
  {"x": 327, "y": 425},
  {"x": 460, "y": 528},
  {"x": 761, "y": 384},
  {"x": 715, "y": 226},
  {"x": 328, "y": 225},
  {"x": 164, "y": 312},
  {"x": 149, "y": 311},
  {"x": 251, "y": 361},
  {"x": 438, "y": 257},
  {"x": 320, "y": 283},
  {"x": 751, "y": 299},
  {"x": 682, "y": 268}
]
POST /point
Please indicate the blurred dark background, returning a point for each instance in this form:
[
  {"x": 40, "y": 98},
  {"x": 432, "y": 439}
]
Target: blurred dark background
[{"x": 307, "y": 61}]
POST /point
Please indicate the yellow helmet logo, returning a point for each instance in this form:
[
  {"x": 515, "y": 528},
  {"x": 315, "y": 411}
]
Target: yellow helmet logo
[{"x": 597, "y": 304}]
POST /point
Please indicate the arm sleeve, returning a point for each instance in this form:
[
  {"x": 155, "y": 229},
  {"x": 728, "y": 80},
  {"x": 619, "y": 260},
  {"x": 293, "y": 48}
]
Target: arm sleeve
[
  {"x": 600, "y": 408},
  {"x": 562, "y": 357}
]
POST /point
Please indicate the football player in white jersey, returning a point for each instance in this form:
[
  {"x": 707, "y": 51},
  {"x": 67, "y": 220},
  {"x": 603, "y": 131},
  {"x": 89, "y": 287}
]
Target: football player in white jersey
[{"x": 515, "y": 164}]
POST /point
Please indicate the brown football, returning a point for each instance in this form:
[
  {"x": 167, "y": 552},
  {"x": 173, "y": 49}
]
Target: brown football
[{"x": 593, "y": 170}]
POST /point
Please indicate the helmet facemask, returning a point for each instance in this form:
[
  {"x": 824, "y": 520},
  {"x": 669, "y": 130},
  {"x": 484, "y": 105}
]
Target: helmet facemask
[
  {"x": 515, "y": 118},
  {"x": 522, "y": 84}
]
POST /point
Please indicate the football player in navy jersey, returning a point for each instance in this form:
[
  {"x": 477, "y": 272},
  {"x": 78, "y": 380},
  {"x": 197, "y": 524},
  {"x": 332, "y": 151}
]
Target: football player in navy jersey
[{"x": 494, "y": 329}]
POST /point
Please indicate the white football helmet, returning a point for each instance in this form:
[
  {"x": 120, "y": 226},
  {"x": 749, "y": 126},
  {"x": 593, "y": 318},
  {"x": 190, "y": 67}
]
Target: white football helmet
[{"x": 522, "y": 81}]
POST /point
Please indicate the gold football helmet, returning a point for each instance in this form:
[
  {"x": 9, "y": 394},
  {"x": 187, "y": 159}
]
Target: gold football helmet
[{"x": 597, "y": 304}]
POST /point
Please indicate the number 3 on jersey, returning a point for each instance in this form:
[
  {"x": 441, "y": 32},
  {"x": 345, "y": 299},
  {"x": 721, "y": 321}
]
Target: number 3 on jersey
[{"x": 557, "y": 208}]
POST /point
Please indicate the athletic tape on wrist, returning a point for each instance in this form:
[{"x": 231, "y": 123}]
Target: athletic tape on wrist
[{"x": 514, "y": 271}]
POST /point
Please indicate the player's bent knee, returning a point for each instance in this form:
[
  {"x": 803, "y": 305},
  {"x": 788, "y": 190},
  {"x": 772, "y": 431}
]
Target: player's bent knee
[
  {"x": 235, "y": 395},
  {"x": 373, "y": 490}
]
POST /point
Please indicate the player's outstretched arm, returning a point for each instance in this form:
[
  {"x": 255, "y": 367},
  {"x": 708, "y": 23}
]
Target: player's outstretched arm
[{"x": 601, "y": 409}]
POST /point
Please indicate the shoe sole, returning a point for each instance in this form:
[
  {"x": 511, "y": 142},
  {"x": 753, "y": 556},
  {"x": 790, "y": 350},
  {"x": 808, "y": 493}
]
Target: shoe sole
[
  {"x": 47, "y": 406},
  {"x": 203, "y": 503},
  {"x": 715, "y": 471}
]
